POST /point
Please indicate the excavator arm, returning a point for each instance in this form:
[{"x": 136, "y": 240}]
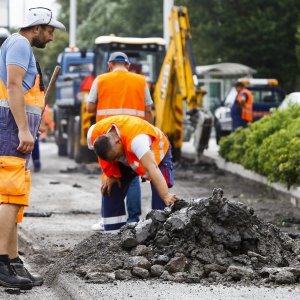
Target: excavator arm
[{"x": 177, "y": 96}]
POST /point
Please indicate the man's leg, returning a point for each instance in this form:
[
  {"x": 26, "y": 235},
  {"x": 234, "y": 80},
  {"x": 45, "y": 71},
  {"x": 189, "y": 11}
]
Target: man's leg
[
  {"x": 114, "y": 214},
  {"x": 9, "y": 247},
  {"x": 8, "y": 232},
  {"x": 133, "y": 200}
]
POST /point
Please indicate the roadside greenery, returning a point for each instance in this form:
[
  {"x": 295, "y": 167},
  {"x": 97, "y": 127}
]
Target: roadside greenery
[{"x": 270, "y": 146}]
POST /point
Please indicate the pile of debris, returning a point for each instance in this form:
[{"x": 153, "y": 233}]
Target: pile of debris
[{"x": 204, "y": 240}]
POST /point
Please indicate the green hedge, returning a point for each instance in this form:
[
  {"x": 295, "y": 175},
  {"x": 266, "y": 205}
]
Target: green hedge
[{"x": 270, "y": 146}]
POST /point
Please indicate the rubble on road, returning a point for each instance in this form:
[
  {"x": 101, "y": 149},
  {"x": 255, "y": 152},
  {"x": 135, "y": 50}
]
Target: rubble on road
[{"x": 210, "y": 240}]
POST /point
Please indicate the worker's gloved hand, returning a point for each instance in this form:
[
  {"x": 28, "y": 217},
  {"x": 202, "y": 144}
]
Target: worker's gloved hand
[{"x": 108, "y": 183}]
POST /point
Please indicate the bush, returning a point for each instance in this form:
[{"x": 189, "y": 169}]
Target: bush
[{"x": 270, "y": 146}]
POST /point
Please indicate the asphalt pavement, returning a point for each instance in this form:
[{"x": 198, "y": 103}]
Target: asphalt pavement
[{"x": 67, "y": 198}]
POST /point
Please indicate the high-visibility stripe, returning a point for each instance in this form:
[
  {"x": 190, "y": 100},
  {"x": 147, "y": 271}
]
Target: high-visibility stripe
[
  {"x": 120, "y": 111},
  {"x": 29, "y": 108},
  {"x": 114, "y": 220}
]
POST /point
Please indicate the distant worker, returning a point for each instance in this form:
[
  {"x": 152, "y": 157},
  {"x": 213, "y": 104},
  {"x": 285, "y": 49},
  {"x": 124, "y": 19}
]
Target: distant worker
[
  {"x": 241, "y": 110},
  {"x": 21, "y": 105},
  {"x": 121, "y": 92},
  {"x": 128, "y": 147}
]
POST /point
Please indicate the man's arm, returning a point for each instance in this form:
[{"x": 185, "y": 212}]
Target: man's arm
[
  {"x": 157, "y": 178},
  {"x": 148, "y": 114},
  {"x": 15, "y": 75},
  {"x": 93, "y": 98},
  {"x": 148, "y": 106}
]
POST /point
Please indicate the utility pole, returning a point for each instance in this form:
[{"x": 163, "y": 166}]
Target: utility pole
[
  {"x": 168, "y": 4},
  {"x": 4, "y": 13},
  {"x": 73, "y": 23}
]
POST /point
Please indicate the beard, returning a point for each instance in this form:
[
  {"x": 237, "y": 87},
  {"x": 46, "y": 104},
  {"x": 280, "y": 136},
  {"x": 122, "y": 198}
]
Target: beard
[{"x": 36, "y": 42}]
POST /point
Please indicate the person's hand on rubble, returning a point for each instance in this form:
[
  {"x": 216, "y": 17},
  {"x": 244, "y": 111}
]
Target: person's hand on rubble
[
  {"x": 108, "y": 183},
  {"x": 170, "y": 199}
]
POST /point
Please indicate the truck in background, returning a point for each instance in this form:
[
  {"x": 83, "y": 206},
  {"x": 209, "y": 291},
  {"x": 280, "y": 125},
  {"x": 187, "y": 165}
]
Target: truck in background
[{"x": 75, "y": 66}]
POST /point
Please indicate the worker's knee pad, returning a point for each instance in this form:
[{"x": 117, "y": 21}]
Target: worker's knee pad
[{"x": 14, "y": 180}]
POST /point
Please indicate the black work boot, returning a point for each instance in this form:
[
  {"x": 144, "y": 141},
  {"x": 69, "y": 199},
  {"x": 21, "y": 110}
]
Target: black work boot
[
  {"x": 10, "y": 279},
  {"x": 20, "y": 269}
]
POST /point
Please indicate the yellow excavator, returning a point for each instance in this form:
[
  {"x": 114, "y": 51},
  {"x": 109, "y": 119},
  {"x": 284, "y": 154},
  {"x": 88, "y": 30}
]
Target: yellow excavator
[{"x": 177, "y": 95}]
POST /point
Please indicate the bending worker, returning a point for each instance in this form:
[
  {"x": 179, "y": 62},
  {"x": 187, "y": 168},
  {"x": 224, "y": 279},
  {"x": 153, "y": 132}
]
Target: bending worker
[
  {"x": 121, "y": 92},
  {"x": 21, "y": 105},
  {"x": 127, "y": 147},
  {"x": 241, "y": 110}
]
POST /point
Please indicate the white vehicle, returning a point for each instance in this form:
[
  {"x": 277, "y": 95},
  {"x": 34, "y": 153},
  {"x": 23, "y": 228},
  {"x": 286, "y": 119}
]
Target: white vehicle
[{"x": 290, "y": 99}]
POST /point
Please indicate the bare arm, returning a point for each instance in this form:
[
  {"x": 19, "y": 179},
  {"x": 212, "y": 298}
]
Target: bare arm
[
  {"x": 15, "y": 75},
  {"x": 158, "y": 179},
  {"x": 91, "y": 107},
  {"x": 148, "y": 114}
]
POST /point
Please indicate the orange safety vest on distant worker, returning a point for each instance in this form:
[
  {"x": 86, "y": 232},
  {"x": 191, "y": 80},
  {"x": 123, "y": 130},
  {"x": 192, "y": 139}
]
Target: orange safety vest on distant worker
[
  {"x": 247, "y": 114},
  {"x": 129, "y": 127},
  {"x": 121, "y": 93}
]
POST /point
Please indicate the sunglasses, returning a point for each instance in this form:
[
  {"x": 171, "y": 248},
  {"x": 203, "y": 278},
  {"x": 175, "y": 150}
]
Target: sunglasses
[{"x": 49, "y": 13}]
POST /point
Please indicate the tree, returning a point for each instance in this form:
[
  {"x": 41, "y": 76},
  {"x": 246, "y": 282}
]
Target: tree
[{"x": 258, "y": 33}]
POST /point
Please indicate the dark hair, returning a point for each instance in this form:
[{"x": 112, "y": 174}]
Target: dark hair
[
  {"x": 102, "y": 146},
  {"x": 118, "y": 62},
  {"x": 239, "y": 84}
]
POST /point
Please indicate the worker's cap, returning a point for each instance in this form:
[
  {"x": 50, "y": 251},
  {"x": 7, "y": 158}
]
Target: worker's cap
[
  {"x": 41, "y": 16},
  {"x": 119, "y": 56}
]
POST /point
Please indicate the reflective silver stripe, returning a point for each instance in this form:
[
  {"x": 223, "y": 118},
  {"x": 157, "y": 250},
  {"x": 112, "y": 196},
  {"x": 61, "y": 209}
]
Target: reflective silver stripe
[
  {"x": 29, "y": 108},
  {"x": 114, "y": 220},
  {"x": 120, "y": 111}
]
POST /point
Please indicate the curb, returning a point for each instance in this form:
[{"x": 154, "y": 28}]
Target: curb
[
  {"x": 65, "y": 285},
  {"x": 293, "y": 192}
]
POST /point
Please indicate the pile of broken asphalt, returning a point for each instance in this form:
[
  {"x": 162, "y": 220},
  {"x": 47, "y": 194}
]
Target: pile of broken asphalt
[{"x": 199, "y": 241}]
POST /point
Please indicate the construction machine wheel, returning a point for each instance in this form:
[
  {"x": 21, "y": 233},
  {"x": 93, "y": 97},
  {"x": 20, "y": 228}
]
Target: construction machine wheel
[
  {"x": 71, "y": 137},
  {"x": 59, "y": 139},
  {"x": 78, "y": 155}
]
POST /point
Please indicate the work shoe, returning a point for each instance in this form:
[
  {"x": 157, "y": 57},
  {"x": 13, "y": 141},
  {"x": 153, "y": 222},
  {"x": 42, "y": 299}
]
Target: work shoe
[
  {"x": 10, "y": 279},
  {"x": 20, "y": 269},
  {"x": 99, "y": 226}
]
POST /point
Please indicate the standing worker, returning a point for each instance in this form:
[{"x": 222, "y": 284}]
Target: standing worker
[
  {"x": 241, "y": 110},
  {"x": 21, "y": 105},
  {"x": 128, "y": 147},
  {"x": 121, "y": 92}
]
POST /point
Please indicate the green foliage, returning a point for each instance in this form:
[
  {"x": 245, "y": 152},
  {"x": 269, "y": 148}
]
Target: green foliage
[
  {"x": 270, "y": 146},
  {"x": 259, "y": 33}
]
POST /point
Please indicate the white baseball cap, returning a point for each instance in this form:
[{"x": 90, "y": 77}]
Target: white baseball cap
[{"x": 41, "y": 16}]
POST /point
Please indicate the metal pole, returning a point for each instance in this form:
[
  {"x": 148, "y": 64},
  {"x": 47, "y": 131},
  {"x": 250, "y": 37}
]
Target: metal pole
[
  {"x": 73, "y": 22},
  {"x": 8, "y": 25},
  {"x": 168, "y": 4}
]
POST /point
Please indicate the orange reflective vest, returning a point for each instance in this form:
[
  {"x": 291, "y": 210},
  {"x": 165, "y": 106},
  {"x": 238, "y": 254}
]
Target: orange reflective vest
[
  {"x": 34, "y": 98},
  {"x": 129, "y": 127},
  {"x": 247, "y": 114},
  {"x": 121, "y": 93}
]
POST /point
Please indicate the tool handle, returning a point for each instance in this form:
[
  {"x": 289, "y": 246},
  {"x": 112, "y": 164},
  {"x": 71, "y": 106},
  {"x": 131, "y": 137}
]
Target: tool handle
[{"x": 51, "y": 84}]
